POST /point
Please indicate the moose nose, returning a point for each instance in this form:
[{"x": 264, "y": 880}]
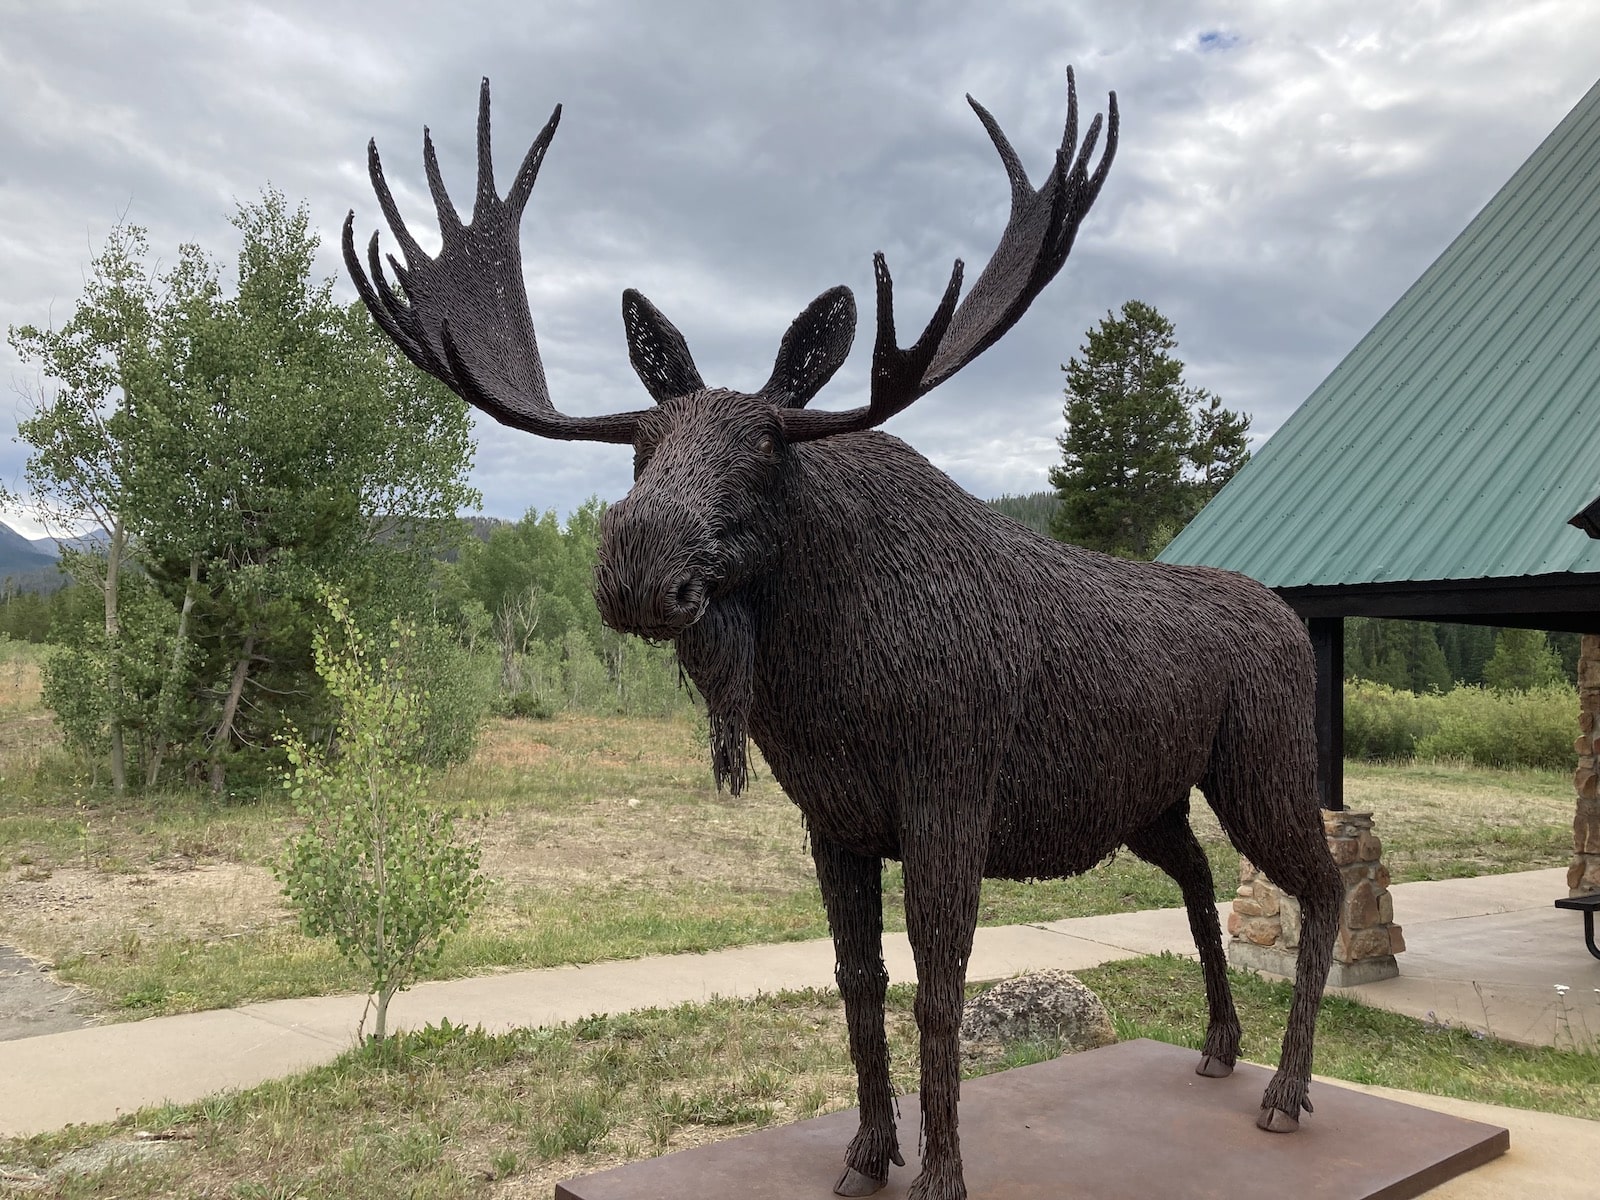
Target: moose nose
[
  {"x": 688, "y": 600},
  {"x": 647, "y": 580},
  {"x": 653, "y": 611}
]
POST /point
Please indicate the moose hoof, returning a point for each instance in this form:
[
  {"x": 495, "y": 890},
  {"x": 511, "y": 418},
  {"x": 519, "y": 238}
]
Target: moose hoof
[
  {"x": 1275, "y": 1120},
  {"x": 1214, "y": 1068},
  {"x": 854, "y": 1183}
]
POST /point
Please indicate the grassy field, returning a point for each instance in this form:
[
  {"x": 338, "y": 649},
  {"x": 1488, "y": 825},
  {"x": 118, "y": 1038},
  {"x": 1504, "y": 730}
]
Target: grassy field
[
  {"x": 603, "y": 838},
  {"x": 458, "y": 1113}
]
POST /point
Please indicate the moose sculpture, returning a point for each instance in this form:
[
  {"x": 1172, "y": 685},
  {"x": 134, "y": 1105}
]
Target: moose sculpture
[{"x": 928, "y": 680}]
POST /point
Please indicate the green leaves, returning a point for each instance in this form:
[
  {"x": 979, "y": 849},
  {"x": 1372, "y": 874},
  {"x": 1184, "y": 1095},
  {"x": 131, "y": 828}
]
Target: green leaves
[
  {"x": 251, "y": 442},
  {"x": 378, "y": 869}
]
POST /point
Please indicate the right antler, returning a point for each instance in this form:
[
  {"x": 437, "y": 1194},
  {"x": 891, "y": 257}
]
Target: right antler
[
  {"x": 1037, "y": 239},
  {"x": 463, "y": 315}
]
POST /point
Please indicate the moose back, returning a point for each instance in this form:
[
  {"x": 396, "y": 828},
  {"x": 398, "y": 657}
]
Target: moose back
[{"x": 929, "y": 681}]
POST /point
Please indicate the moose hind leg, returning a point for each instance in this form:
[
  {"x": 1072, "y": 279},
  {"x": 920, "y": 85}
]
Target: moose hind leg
[
  {"x": 1307, "y": 872},
  {"x": 1169, "y": 843},
  {"x": 1276, "y": 823},
  {"x": 852, "y": 891}
]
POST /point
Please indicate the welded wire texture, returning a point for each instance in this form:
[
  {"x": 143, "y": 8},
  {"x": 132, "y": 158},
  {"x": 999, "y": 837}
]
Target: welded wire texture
[{"x": 928, "y": 680}]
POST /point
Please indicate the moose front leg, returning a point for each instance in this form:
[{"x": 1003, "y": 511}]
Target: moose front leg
[
  {"x": 852, "y": 891},
  {"x": 943, "y": 873}
]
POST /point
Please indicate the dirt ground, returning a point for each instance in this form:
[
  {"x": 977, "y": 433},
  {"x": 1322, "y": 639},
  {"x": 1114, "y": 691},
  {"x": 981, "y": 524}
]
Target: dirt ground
[{"x": 112, "y": 911}]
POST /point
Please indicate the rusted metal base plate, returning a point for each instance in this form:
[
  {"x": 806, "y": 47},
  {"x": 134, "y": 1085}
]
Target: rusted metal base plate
[{"x": 1131, "y": 1120}]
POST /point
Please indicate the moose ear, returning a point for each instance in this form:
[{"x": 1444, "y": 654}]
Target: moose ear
[
  {"x": 814, "y": 348},
  {"x": 657, "y": 350}
]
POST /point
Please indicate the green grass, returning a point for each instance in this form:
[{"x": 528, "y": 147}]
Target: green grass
[
  {"x": 449, "y": 1112},
  {"x": 603, "y": 838},
  {"x": 1161, "y": 998}
]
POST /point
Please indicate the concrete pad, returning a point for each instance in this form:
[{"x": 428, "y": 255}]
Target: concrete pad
[
  {"x": 1153, "y": 931},
  {"x": 1446, "y": 899},
  {"x": 1497, "y": 973},
  {"x": 98, "y": 1073},
  {"x": 1125, "y": 1122}
]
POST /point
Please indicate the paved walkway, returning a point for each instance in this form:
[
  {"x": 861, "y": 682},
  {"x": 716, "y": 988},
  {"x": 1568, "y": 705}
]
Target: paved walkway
[{"x": 1484, "y": 952}]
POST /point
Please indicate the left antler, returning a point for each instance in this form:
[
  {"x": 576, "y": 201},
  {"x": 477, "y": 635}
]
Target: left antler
[
  {"x": 463, "y": 316},
  {"x": 1037, "y": 239}
]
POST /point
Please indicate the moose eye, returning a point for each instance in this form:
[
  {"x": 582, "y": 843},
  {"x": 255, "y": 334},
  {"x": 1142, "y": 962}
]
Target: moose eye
[{"x": 766, "y": 444}]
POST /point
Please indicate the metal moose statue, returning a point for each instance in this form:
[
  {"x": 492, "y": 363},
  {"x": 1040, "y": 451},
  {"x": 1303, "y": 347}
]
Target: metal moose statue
[{"x": 928, "y": 680}]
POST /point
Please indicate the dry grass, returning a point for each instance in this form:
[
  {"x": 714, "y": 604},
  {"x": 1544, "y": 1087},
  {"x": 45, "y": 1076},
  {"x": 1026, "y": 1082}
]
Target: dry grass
[
  {"x": 1441, "y": 820},
  {"x": 603, "y": 838}
]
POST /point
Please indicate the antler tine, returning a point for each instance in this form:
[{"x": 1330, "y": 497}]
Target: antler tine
[
  {"x": 463, "y": 316},
  {"x": 1038, "y": 237},
  {"x": 522, "y": 185},
  {"x": 486, "y": 193},
  {"x": 391, "y": 210},
  {"x": 378, "y": 298},
  {"x": 449, "y": 219}
]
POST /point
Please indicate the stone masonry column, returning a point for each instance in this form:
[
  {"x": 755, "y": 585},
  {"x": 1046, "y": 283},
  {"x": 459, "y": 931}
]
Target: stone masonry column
[
  {"x": 1264, "y": 925},
  {"x": 1583, "y": 876}
]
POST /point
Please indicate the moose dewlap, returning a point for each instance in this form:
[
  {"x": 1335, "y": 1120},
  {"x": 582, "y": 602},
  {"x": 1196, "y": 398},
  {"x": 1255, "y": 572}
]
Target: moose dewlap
[{"x": 929, "y": 681}]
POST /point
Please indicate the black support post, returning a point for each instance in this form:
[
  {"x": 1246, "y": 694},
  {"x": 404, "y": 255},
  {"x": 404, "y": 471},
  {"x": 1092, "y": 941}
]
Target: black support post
[{"x": 1327, "y": 644}]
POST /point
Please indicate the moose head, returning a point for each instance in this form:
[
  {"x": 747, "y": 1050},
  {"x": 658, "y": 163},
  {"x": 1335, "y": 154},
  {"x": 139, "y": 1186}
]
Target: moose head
[{"x": 712, "y": 467}]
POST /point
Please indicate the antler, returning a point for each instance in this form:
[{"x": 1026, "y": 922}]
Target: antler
[
  {"x": 1037, "y": 238},
  {"x": 463, "y": 316}
]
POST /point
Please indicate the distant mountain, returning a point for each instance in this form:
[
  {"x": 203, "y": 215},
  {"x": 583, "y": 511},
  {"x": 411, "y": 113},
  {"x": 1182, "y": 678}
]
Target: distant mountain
[
  {"x": 30, "y": 564},
  {"x": 84, "y": 541},
  {"x": 18, "y": 553}
]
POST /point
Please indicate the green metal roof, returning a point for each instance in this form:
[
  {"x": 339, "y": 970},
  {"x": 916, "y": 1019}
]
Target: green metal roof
[{"x": 1459, "y": 435}]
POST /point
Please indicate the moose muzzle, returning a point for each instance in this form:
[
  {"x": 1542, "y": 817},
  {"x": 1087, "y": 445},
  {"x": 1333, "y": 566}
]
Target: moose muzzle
[{"x": 652, "y": 578}]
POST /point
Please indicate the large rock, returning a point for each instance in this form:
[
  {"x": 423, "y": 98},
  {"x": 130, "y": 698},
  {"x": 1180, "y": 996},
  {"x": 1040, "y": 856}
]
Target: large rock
[{"x": 1046, "y": 1006}]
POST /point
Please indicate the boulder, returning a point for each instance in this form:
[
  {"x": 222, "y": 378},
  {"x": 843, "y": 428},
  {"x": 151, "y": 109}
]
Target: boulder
[{"x": 1048, "y": 1006}]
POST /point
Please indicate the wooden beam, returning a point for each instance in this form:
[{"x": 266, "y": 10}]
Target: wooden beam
[
  {"x": 1565, "y": 602},
  {"x": 1327, "y": 645}
]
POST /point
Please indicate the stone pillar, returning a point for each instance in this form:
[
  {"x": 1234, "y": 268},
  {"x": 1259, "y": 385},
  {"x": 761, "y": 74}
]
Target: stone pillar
[
  {"x": 1583, "y": 876},
  {"x": 1265, "y": 923}
]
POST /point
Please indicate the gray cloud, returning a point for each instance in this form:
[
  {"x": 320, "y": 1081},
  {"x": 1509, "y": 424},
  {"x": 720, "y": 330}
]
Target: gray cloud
[{"x": 1285, "y": 172}]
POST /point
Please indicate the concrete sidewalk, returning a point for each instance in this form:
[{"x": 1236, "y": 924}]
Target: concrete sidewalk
[{"x": 1482, "y": 952}]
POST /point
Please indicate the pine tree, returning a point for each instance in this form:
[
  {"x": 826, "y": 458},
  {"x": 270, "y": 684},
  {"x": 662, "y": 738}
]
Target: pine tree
[
  {"x": 1522, "y": 660},
  {"x": 1142, "y": 452}
]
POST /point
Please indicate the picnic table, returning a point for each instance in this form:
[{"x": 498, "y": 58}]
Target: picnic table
[{"x": 1586, "y": 905}]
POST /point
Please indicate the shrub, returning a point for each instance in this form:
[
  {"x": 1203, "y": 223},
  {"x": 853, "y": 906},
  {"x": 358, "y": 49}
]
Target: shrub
[
  {"x": 1534, "y": 728},
  {"x": 525, "y": 705},
  {"x": 1381, "y": 722},
  {"x": 1487, "y": 728},
  {"x": 453, "y": 688},
  {"x": 376, "y": 868}
]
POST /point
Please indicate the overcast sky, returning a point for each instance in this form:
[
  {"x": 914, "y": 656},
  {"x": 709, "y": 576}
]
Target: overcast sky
[{"x": 1286, "y": 171}]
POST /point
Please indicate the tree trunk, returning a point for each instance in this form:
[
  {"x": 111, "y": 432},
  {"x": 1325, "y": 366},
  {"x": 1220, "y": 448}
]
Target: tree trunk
[
  {"x": 380, "y": 1023},
  {"x": 380, "y": 880},
  {"x": 174, "y": 674},
  {"x": 119, "y": 770},
  {"x": 230, "y": 707}
]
